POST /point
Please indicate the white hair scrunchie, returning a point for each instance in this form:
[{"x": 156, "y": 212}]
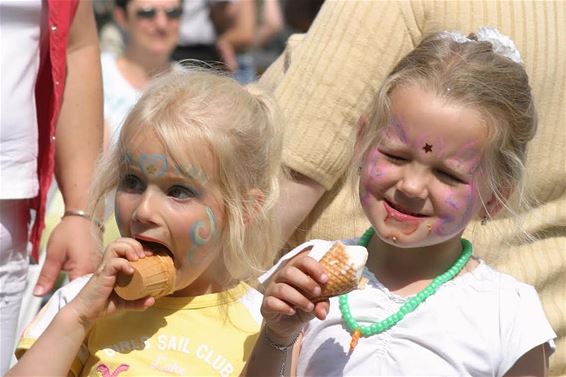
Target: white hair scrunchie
[{"x": 501, "y": 43}]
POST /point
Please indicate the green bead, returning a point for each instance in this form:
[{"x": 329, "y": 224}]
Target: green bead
[{"x": 409, "y": 305}]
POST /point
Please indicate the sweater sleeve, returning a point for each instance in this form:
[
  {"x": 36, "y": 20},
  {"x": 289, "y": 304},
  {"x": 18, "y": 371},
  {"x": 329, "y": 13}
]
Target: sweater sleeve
[{"x": 328, "y": 78}]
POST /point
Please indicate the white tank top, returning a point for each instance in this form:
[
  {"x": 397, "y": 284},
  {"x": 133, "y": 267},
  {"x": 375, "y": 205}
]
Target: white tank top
[{"x": 20, "y": 22}]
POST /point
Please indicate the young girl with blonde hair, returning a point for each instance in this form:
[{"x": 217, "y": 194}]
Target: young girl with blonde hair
[
  {"x": 196, "y": 177},
  {"x": 445, "y": 143}
]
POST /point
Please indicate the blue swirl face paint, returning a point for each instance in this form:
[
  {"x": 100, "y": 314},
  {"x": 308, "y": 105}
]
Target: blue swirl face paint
[
  {"x": 198, "y": 238},
  {"x": 153, "y": 164}
]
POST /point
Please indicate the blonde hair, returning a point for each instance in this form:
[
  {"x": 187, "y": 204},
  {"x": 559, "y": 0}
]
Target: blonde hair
[
  {"x": 241, "y": 127},
  {"x": 470, "y": 74}
]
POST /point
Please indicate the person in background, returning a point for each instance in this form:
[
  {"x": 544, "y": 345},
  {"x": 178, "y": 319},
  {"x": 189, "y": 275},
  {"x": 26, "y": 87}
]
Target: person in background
[
  {"x": 213, "y": 30},
  {"x": 196, "y": 174},
  {"x": 51, "y": 121},
  {"x": 269, "y": 22},
  {"x": 326, "y": 78},
  {"x": 151, "y": 28}
]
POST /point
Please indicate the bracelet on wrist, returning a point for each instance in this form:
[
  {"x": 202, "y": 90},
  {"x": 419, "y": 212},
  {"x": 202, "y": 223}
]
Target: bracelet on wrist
[
  {"x": 279, "y": 347},
  {"x": 84, "y": 214}
]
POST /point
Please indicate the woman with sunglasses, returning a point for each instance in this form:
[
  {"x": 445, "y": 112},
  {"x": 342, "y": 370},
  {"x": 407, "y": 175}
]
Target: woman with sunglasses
[{"x": 151, "y": 28}]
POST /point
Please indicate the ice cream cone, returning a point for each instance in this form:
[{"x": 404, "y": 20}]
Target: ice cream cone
[
  {"x": 153, "y": 276},
  {"x": 344, "y": 266}
]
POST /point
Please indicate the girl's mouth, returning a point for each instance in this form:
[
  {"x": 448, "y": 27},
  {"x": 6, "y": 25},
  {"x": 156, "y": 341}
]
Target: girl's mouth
[
  {"x": 154, "y": 246},
  {"x": 401, "y": 213},
  {"x": 408, "y": 223}
]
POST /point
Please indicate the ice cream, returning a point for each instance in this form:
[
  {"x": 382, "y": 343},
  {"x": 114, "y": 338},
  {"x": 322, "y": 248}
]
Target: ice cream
[
  {"x": 153, "y": 276},
  {"x": 344, "y": 266}
]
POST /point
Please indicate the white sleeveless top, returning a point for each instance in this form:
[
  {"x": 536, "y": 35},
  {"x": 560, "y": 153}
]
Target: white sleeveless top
[{"x": 19, "y": 40}]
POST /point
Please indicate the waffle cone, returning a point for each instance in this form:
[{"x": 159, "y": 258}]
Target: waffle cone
[
  {"x": 343, "y": 271},
  {"x": 153, "y": 276}
]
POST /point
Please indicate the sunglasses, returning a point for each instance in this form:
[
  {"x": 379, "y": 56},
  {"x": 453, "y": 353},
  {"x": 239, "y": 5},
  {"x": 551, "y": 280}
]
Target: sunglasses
[{"x": 150, "y": 13}]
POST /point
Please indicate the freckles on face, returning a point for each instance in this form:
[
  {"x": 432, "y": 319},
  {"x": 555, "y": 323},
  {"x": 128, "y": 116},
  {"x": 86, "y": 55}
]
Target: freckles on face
[{"x": 201, "y": 233}]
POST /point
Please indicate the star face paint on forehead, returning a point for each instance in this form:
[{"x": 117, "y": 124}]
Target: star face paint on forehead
[{"x": 427, "y": 148}]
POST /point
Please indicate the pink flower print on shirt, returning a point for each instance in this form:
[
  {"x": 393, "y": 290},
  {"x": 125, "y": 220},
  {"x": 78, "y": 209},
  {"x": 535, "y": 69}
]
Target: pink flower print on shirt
[{"x": 105, "y": 371}]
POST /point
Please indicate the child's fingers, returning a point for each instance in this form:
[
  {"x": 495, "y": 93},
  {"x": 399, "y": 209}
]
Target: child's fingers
[
  {"x": 291, "y": 296},
  {"x": 116, "y": 265},
  {"x": 127, "y": 248},
  {"x": 141, "y": 304},
  {"x": 321, "y": 309},
  {"x": 312, "y": 268},
  {"x": 274, "y": 305},
  {"x": 295, "y": 277}
]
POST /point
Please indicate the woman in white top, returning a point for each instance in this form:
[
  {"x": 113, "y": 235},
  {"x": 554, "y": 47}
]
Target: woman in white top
[{"x": 151, "y": 28}]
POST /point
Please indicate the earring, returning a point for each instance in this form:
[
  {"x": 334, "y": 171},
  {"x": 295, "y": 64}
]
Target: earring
[{"x": 484, "y": 220}]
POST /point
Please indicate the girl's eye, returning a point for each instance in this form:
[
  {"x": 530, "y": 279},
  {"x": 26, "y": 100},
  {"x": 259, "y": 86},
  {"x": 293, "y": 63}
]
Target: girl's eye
[
  {"x": 131, "y": 182},
  {"x": 180, "y": 192},
  {"x": 449, "y": 177},
  {"x": 393, "y": 157}
]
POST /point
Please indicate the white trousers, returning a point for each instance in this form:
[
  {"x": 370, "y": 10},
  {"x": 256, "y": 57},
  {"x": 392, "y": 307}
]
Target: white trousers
[{"x": 14, "y": 261}]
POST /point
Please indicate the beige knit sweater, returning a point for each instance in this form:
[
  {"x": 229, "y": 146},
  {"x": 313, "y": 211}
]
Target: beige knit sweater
[{"x": 326, "y": 79}]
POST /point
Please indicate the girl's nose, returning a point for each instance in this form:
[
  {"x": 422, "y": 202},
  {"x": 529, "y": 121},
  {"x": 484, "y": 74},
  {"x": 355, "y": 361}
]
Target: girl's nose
[
  {"x": 413, "y": 182},
  {"x": 146, "y": 212}
]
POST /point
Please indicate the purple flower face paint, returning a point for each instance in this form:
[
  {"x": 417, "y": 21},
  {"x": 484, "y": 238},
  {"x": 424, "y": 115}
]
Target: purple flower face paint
[{"x": 422, "y": 182}]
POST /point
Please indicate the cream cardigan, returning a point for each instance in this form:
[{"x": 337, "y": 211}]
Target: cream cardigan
[{"x": 327, "y": 77}]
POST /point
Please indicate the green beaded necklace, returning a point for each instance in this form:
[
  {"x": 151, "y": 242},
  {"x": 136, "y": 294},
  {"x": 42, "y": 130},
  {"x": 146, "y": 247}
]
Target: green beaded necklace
[{"x": 409, "y": 306}]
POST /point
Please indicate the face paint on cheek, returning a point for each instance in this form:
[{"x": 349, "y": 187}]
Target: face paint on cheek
[
  {"x": 449, "y": 223},
  {"x": 153, "y": 164},
  {"x": 200, "y": 236},
  {"x": 373, "y": 171}
]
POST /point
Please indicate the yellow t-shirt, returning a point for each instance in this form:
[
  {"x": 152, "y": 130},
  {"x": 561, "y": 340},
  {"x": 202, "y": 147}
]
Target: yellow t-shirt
[{"x": 210, "y": 335}]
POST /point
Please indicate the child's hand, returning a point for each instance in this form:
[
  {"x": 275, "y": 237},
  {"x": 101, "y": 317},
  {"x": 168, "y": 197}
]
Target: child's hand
[
  {"x": 97, "y": 298},
  {"x": 286, "y": 305}
]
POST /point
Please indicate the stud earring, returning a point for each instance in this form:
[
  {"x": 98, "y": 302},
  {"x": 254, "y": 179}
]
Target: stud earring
[{"x": 484, "y": 220}]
